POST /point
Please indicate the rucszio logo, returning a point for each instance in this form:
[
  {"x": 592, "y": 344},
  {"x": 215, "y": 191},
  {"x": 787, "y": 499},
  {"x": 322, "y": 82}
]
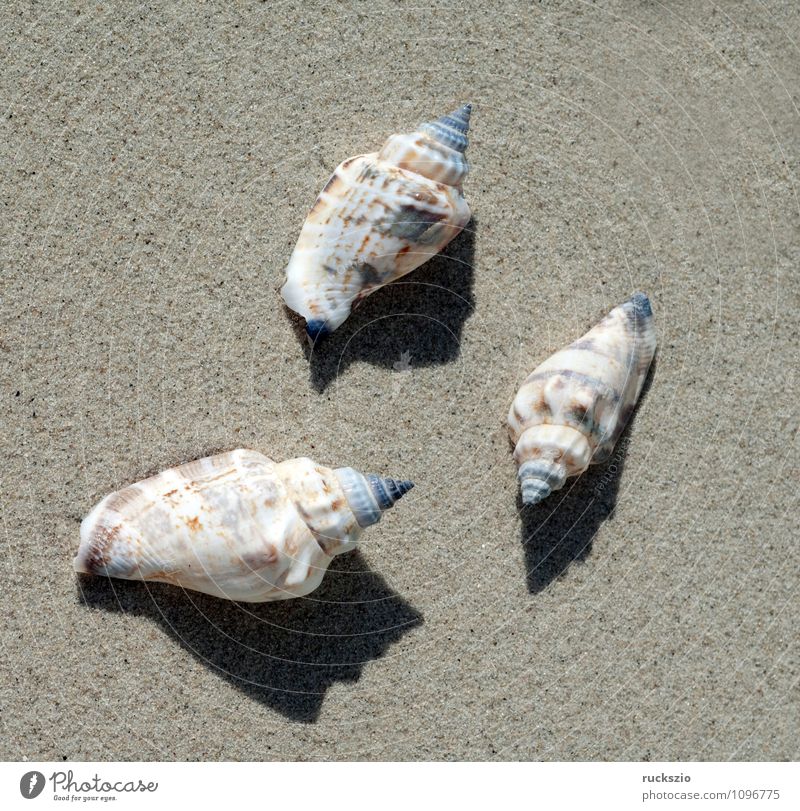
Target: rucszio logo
[{"x": 31, "y": 784}]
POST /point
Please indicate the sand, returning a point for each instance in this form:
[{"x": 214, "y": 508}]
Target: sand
[{"x": 159, "y": 162}]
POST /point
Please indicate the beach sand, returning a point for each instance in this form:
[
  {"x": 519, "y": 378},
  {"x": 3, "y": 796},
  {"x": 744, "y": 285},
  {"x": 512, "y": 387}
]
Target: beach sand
[{"x": 158, "y": 167}]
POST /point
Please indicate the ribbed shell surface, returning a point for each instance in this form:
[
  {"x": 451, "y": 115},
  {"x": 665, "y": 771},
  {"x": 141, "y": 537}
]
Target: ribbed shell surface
[
  {"x": 227, "y": 525},
  {"x": 372, "y": 223},
  {"x": 591, "y": 386}
]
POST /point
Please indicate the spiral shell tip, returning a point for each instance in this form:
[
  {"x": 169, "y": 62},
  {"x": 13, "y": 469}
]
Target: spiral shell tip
[
  {"x": 388, "y": 492},
  {"x": 451, "y": 129},
  {"x": 641, "y": 304},
  {"x": 538, "y": 478},
  {"x": 534, "y": 491},
  {"x": 403, "y": 486},
  {"x": 463, "y": 113}
]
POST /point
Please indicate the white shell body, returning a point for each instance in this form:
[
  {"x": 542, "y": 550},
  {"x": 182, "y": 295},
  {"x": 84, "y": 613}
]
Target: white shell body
[
  {"x": 236, "y": 525},
  {"x": 379, "y": 217},
  {"x": 571, "y": 409}
]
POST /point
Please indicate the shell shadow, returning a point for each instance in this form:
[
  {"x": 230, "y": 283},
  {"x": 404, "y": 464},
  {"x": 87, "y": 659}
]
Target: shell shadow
[
  {"x": 420, "y": 315},
  {"x": 561, "y": 529},
  {"x": 285, "y": 654}
]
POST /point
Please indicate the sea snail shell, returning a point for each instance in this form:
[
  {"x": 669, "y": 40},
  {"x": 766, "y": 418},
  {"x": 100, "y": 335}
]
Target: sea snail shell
[
  {"x": 572, "y": 408},
  {"x": 236, "y": 525},
  {"x": 379, "y": 217}
]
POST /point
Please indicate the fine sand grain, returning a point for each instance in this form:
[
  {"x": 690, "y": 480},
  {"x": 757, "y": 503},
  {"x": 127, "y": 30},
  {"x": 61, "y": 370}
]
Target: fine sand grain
[{"x": 158, "y": 163}]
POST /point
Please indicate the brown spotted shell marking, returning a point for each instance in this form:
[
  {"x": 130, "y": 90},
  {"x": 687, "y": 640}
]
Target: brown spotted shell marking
[
  {"x": 572, "y": 408},
  {"x": 236, "y": 525},
  {"x": 379, "y": 217}
]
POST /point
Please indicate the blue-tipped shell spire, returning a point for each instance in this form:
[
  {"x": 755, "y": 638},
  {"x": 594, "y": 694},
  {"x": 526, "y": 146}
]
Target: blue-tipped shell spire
[
  {"x": 639, "y": 312},
  {"x": 538, "y": 478},
  {"x": 451, "y": 129},
  {"x": 641, "y": 304},
  {"x": 387, "y": 492},
  {"x": 370, "y": 496}
]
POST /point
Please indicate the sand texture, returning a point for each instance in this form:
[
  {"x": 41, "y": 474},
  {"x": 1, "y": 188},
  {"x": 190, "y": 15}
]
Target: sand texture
[{"x": 158, "y": 162}]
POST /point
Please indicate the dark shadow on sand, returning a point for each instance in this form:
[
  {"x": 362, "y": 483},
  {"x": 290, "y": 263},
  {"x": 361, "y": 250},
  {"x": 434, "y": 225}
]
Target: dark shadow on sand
[
  {"x": 561, "y": 528},
  {"x": 420, "y": 316},
  {"x": 285, "y": 654}
]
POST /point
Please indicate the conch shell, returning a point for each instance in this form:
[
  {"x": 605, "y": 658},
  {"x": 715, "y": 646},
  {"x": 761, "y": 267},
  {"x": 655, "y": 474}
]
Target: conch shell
[
  {"x": 572, "y": 408},
  {"x": 236, "y": 525},
  {"x": 379, "y": 216}
]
